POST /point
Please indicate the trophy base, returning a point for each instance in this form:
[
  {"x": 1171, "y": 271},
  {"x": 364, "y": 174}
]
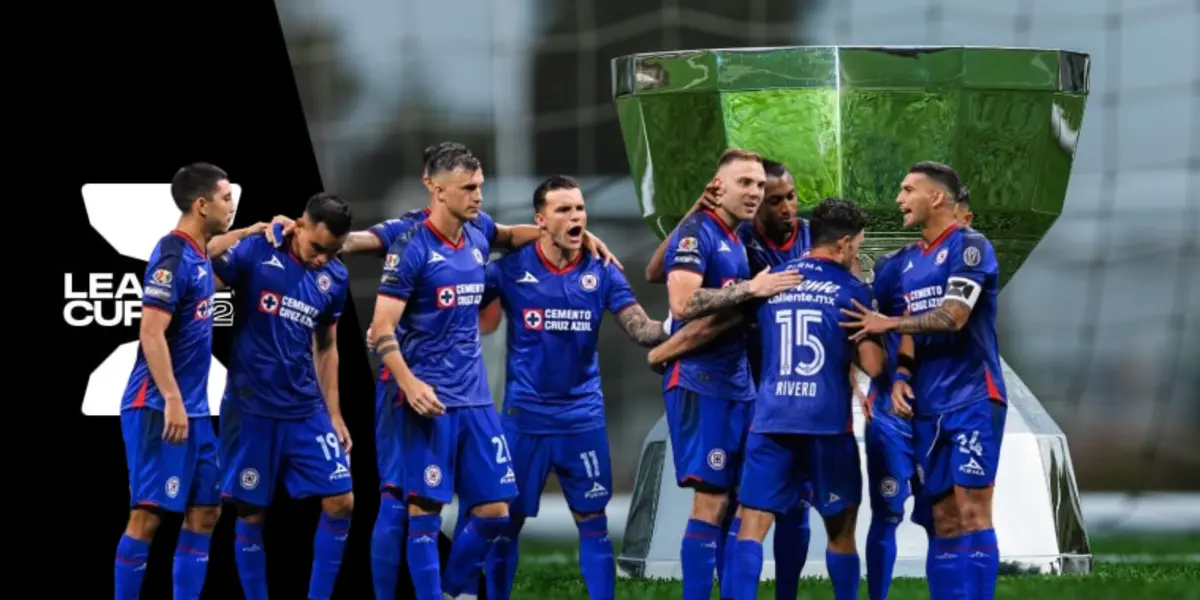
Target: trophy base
[{"x": 1037, "y": 515}]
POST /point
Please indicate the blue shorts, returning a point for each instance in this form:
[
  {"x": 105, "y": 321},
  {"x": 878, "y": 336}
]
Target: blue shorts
[
  {"x": 388, "y": 449},
  {"x": 463, "y": 452},
  {"x": 891, "y": 466},
  {"x": 259, "y": 451},
  {"x": 579, "y": 460},
  {"x": 960, "y": 447},
  {"x": 708, "y": 438},
  {"x": 779, "y": 465},
  {"x": 170, "y": 476}
]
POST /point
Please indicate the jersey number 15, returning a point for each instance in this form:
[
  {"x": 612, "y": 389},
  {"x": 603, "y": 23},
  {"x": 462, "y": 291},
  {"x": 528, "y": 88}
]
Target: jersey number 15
[{"x": 795, "y": 331}]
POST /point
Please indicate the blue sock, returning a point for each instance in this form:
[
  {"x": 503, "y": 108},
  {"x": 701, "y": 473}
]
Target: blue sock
[
  {"x": 191, "y": 564},
  {"x": 251, "y": 559},
  {"x": 502, "y": 561},
  {"x": 881, "y": 554},
  {"x": 328, "y": 546},
  {"x": 745, "y": 569},
  {"x": 983, "y": 564},
  {"x": 948, "y": 579},
  {"x": 698, "y": 553},
  {"x": 422, "y": 554},
  {"x": 930, "y": 572},
  {"x": 387, "y": 545},
  {"x": 469, "y": 552},
  {"x": 130, "y": 567},
  {"x": 596, "y": 562},
  {"x": 791, "y": 552},
  {"x": 844, "y": 572},
  {"x": 726, "y": 560}
]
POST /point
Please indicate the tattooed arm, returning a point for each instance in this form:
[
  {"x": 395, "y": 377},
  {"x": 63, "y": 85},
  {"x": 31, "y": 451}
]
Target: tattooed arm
[
  {"x": 688, "y": 300},
  {"x": 640, "y": 328},
  {"x": 947, "y": 318}
]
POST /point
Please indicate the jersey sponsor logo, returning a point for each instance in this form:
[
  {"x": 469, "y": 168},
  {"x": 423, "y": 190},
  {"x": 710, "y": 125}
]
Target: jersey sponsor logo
[
  {"x": 924, "y": 299},
  {"x": 589, "y": 282},
  {"x": 131, "y": 217},
  {"x": 557, "y": 319},
  {"x": 463, "y": 294},
  {"x": 810, "y": 291},
  {"x": 287, "y": 307}
]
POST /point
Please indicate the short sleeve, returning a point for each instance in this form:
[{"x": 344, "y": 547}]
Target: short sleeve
[
  {"x": 401, "y": 267},
  {"x": 687, "y": 248},
  {"x": 491, "y": 283},
  {"x": 486, "y": 226},
  {"x": 392, "y": 229},
  {"x": 619, "y": 295},
  {"x": 230, "y": 267},
  {"x": 970, "y": 269},
  {"x": 164, "y": 284},
  {"x": 883, "y": 284},
  {"x": 337, "y": 303}
]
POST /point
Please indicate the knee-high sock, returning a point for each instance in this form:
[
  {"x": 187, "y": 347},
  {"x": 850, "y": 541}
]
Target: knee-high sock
[
  {"x": 387, "y": 545},
  {"x": 698, "y": 553},
  {"x": 191, "y": 564},
  {"x": 502, "y": 561},
  {"x": 792, "y": 535},
  {"x": 130, "y": 567},
  {"x": 596, "y": 562},
  {"x": 469, "y": 552},
  {"x": 983, "y": 564},
  {"x": 844, "y": 572},
  {"x": 329, "y": 545},
  {"x": 881, "y": 554},
  {"x": 251, "y": 559}
]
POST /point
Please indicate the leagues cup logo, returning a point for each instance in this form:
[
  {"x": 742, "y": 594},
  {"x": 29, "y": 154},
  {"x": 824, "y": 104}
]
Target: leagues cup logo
[{"x": 131, "y": 218}]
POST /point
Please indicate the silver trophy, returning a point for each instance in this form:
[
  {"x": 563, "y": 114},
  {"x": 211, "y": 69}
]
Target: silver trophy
[{"x": 849, "y": 122}]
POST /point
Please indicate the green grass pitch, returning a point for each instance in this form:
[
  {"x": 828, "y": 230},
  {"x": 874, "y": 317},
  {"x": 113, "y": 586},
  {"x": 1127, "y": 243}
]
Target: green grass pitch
[{"x": 1126, "y": 568}]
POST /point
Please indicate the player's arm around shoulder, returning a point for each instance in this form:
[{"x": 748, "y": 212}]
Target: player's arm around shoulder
[
  {"x": 230, "y": 267},
  {"x": 631, "y": 317},
  {"x": 493, "y": 295}
]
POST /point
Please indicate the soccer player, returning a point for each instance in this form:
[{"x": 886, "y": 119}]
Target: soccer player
[
  {"x": 281, "y": 416},
  {"x": 959, "y": 388},
  {"x": 708, "y": 394},
  {"x": 170, "y": 445},
  {"x": 776, "y": 235},
  {"x": 453, "y": 443},
  {"x": 554, "y": 295},
  {"x": 801, "y": 428}
]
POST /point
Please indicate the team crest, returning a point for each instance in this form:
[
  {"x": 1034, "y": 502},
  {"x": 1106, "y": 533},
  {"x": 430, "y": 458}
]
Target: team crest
[
  {"x": 172, "y": 487},
  {"x": 323, "y": 282},
  {"x": 204, "y": 309},
  {"x": 588, "y": 282},
  {"x": 268, "y": 302},
  {"x": 433, "y": 476},
  {"x": 163, "y": 277},
  {"x": 688, "y": 244},
  {"x": 888, "y": 487},
  {"x": 971, "y": 256},
  {"x": 941, "y": 256},
  {"x": 249, "y": 479},
  {"x": 477, "y": 254},
  {"x": 716, "y": 459},
  {"x": 391, "y": 262}
]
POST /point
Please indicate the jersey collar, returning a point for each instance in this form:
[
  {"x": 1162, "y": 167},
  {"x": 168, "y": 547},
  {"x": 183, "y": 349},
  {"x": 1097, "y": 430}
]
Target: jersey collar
[
  {"x": 537, "y": 247},
  {"x": 190, "y": 240},
  {"x": 462, "y": 238},
  {"x": 787, "y": 245},
  {"x": 927, "y": 248},
  {"x": 717, "y": 219}
]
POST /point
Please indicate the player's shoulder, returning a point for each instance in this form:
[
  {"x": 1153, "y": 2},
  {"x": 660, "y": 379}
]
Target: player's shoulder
[
  {"x": 173, "y": 244},
  {"x": 971, "y": 236},
  {"x": 336, "y": 269},
  {"x": 415, "y": 235},
  {"x": 887, "y": 259},
  {"x": 972, "y": 245},
  {"x": 521, "y": 259},
  {"x": 693, "y": 226}
]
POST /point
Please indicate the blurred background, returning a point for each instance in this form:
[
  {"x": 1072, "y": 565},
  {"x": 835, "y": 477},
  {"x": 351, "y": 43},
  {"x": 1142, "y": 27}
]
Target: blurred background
[{"x": 1101, "y": 322}]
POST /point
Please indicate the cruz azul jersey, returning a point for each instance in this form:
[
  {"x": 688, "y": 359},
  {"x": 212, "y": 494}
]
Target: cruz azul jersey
[
  {"x": 390, "y": 230},
  {"x": 553, "y": 374},
  {"x": 178, "y": 282},
  {"x": 762, "y": 253},
  {"x": 805, "y": 380},
  {"x": 442, "y": 284},
  {"x": 889, "y": 300},
  {"x": 281, "y": 304},
  {"x": 955, "y": 369},
  {"x": 704, "y": 245}
]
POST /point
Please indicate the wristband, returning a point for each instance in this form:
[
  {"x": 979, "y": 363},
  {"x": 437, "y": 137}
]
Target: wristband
[
  {"x": 904, "y": 361},
  {"x": 901, "y": 376}
]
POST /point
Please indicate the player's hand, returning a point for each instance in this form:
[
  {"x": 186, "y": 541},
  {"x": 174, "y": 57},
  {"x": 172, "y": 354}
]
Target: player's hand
[
  {"x": 866, "y": 321},
  {"x": 175, "y": 421},
  {"x": 342, "y": 432},
  {"x": 902, "y": 393},
  {"x": 370, "y": 340},
  {"x": 288, "y": 226},
  {"x": 599, "y": 250},
  {"x": 711, "y": 197},
  {"x": 422, "y": 399},
  {"x": 767, "y": 284}
]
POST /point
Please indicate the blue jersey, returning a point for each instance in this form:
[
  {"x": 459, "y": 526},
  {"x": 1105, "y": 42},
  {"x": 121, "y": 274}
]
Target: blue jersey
[
  {"x": 442, "y": 284},
  {"x": 762, "y": 253},
  {"x": 889, "y": 300},
  {"x": 392, "y": 229},
  {"x": 178, "y": 282},
  {"x": 703, "y": 244},
  {"x": 280, "y": 305},
  {"x": 955, "y": 369},
  {"x": 552, "y": 384},
  {"x": 806, "y": 353}
]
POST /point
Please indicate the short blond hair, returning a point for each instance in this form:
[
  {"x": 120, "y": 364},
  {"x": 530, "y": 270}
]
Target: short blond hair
[{"x": 733, "y": 154}]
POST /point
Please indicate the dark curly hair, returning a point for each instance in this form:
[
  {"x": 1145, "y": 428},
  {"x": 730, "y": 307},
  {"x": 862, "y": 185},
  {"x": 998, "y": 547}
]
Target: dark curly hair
[{"x": 834, "y": 219}]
